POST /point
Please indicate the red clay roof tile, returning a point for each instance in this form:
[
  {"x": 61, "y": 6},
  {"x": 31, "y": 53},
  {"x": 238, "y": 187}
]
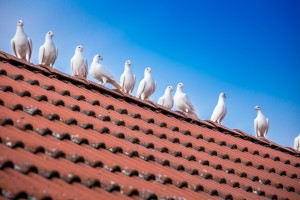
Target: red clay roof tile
[{"x": 59, "y": 134}]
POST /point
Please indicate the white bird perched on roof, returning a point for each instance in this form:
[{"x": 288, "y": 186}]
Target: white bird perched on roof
[
  {"x": 99, "y": 73},
  {"x": 21, "y": 44},
  {"x": 297, "y": 143},
  {"x": 261, "y": 123},
  {"x": 167, "y": 100},
  {"x": 127, "y": 79},
  {"x": 48, "y": 52},
  {"x": 79, "y": 63},
  {"x": 182, "y": 101},
  {"x": 220, "y": 109},
  {"x": 147, "y": 86}
]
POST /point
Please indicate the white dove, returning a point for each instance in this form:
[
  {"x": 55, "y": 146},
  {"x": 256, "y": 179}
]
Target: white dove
[
  {"x": 99, "y": 73},
  {"x": 297, "y": 143},
  {"x": 21, "y": 44},
  {"x": 79, "y": 64},
  {"x": 261, "y": 123},
  {"x": 48, "y": 52},
  {"x": 127, "y": 79},
  {"x": 220, "y": 109},
  {"x": 182, "y": 101},
  {"x": 167, "y": 100},
  {"x": 147, "y": 86}
]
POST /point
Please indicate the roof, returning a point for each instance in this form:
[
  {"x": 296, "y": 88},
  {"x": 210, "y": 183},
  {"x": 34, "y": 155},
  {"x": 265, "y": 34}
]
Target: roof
[{"x": 63, "y": 138}]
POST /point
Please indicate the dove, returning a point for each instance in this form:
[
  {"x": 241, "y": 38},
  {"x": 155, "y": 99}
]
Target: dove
[
  {"x": 127, "y": 79},
  {"x": 99, "y": 73},
  {"x": 167, "y": 100},
  {"x": 21, "y": 44},
  {"x": 147, "y": 86},
  {"x": 297, "y": 143},
  {"x": 79, "y": 64},
  {"x": 182, "y": 101},
  {"x": 48, "y": 52},
  {"x": 261, "y": 123},
  {"x": 220, "y": 109}
]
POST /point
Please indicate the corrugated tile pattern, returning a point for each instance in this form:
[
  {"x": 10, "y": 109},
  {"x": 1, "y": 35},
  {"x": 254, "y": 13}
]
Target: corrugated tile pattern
[{"x": 62, "y": 138}]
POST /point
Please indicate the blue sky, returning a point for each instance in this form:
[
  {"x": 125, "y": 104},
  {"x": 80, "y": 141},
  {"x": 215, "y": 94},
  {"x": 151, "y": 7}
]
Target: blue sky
[{"x": 248, "y": 49}]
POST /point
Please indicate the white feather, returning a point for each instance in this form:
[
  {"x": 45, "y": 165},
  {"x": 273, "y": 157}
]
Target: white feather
[
  {"x": 220, "y": 110},
  {"x": 79, "y": 63},
  {"x": 147, "y": 86},
  {"x": 21, "y": 44},
  {"x": 182, "y": 101},
  {"x": 100, "y": 73},
  {"x": 48, "y": 52},
  {"x": 167, "y": 100},
  {"x": 261, "y": 123},
  {"x": 127, "y": 79}
]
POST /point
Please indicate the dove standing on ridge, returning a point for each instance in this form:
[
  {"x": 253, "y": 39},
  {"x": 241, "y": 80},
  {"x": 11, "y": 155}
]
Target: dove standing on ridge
[
  {"x": 147, "y": 86},
  {"x": 297, "y": 143},
  {"x": 182, "y": 101},
  {"x": 99, "y": 73},
  {"x": 167, "y": 100},
  {"x": 79, "y": 63},
  {"x": 220, "y": 109},
  {"x": 127, "y": 79},
  {"x": 21, "y": 44},
  {"x": 261, "y": 123},
  {"x": 48, "y": 52}
]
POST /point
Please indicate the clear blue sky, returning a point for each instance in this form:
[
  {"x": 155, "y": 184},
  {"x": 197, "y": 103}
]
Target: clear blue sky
[{"x": 248, "y": 49}]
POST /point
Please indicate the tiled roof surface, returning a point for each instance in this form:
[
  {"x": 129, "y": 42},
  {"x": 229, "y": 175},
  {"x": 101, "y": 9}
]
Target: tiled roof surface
[{"x": 62, "y": 138}]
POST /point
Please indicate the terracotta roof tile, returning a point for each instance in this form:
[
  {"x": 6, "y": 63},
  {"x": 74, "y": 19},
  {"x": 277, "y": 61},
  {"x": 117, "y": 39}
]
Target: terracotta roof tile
[{"x": 59, "y": 134}]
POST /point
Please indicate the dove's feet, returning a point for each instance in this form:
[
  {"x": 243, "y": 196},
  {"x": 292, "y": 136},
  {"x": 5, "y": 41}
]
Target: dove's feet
[
  {"x": 50, "y": 69},
  {"x": 149, "y": 101}
]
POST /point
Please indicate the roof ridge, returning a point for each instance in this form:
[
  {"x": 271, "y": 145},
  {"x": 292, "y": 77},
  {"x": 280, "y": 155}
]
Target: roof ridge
[{"x": 153, "y": 106}]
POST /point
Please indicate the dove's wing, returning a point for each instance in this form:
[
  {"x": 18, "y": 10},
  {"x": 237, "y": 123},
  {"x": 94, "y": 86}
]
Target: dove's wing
[
  {"x": 72, "y": 67},
  {"x": 223, "y": 114},
  {"x": 41, "y": 54},
  {"x": 267, "y": 129},
  {"x": 56, "y": 54},
  {"x": 122, "y": 80},
  {"x": 154, "y": 87},
  {"x": 86, "y": 68},
  {"x": 106, "y": 73},
  {"x": 141, "y": 88},
  {"x": 134, "y": 77},
  {"x": 30, "y": 47},
  {"x": 12, "y": 42},
  {"x": 161, "y": 100},
  {"x": 188, "y": 102},
  {"x": 216, "y": 113},
  {"x": 297, "y": 143},
  {"x": 134, "y": 81},
  {"x": 256, "y": 126}
]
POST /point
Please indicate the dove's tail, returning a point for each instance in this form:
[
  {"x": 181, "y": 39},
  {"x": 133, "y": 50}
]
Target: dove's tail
[
  {"x": 116, "y": 85},
  {"x": 194, "y": 114}
]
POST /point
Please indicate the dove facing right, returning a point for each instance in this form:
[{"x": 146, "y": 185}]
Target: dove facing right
[
  {"x": 220, "y": 109},
  {"x": 101, "y": 74},
  {"x": 182, "y": 101},
  {"x": 147, "y": 86},
  {"x": 297, "y": 143},
  {"x": 79, "y": 64},
  {"x": 167, "y": 100},
  {"x": 21, "y": 44},
  {"x": 48, "y": 52}
]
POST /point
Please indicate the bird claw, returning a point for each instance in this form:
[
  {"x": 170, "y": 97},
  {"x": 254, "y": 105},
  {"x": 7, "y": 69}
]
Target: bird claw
[{"x": 50, "y": 69}]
